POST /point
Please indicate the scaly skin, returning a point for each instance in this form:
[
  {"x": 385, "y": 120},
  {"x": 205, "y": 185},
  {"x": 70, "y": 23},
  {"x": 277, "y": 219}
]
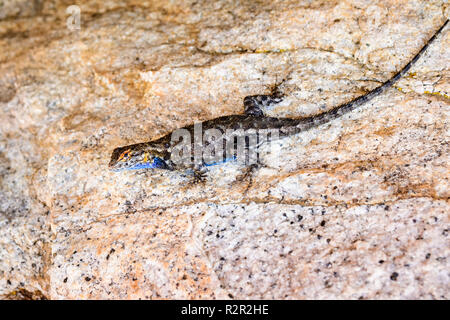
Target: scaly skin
[{"x": 159, "y": 153}]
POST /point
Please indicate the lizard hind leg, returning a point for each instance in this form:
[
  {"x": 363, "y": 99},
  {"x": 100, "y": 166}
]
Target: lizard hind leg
[
  {"x": 247, "y": 176},
  {"x": 254, "y": 105}
]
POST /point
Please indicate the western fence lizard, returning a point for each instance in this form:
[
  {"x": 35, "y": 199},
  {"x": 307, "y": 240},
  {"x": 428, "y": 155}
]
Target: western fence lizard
[{"x": 173, "y": 152}]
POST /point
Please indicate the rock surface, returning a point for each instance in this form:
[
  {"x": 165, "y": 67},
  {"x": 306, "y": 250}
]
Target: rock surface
[{"x": 357, "y": 208}]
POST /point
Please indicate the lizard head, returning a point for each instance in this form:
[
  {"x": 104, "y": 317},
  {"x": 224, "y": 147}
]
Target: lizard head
[{"x": 140, "y": 156}]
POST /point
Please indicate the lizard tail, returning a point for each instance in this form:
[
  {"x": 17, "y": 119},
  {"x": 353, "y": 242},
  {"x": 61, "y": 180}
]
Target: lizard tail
[{"x": 349, "y": 106}]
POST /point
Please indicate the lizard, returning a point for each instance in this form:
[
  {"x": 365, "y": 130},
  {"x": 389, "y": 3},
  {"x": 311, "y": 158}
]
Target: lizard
[{"x": 159, "y": 153}]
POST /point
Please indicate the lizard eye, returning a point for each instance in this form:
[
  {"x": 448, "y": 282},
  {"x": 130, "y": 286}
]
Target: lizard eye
[{"x": 124, "y": 155}]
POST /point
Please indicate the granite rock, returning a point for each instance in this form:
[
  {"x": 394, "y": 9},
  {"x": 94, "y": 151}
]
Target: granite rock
[{"x": 357, "y": 208}]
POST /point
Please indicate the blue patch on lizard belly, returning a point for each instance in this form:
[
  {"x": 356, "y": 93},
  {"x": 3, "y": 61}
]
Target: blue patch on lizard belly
[
  {"x": 142, "y": 165},
  {"x": 157, "y": 163},
  {"x": 220, "y": 162}
]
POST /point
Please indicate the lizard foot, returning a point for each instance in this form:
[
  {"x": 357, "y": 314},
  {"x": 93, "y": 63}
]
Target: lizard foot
[
  {"x": 247, "y": 175},
  {"x": 199, "y": 177}
]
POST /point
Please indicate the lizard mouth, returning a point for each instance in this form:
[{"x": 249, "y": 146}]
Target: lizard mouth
[
  {"x": 113, "y": 166},
  {"x": 113, "y": 162}
]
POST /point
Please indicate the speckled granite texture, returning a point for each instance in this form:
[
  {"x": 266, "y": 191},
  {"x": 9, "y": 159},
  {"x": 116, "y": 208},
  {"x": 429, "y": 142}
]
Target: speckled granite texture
[{"x": 357, "y": 208}]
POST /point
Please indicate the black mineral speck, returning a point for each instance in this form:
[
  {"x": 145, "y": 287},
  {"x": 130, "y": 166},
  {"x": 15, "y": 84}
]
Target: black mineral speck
[{"x": 394, "y": 276}]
